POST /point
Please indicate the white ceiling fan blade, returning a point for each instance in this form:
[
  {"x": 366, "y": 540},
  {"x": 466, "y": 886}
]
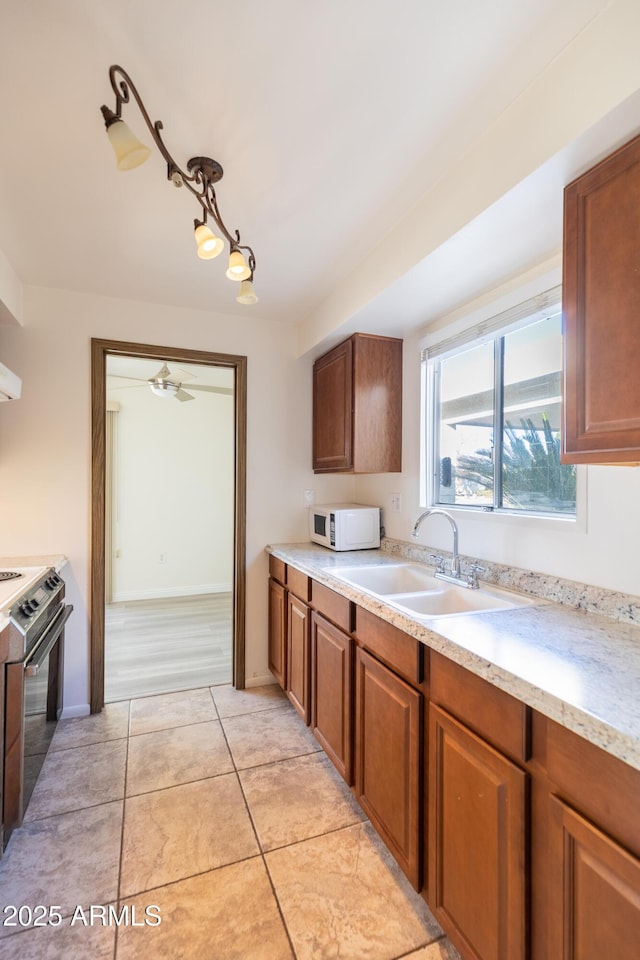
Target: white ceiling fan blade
[
  {"x": 182, "y": 395},
  {"x": 119, "y": 376},
  {"x": 128, "y": 386},
  {"x": 163, "y": 374},
  {"x": 227, "y": 391}
]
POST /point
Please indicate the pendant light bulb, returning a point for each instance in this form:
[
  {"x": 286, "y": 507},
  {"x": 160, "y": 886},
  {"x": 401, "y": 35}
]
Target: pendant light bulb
[
  {"x": 247, "y": 293},
  {"x": 209, "y": 246},
  {"x": 129, "y": 151},
  {"x": 238, "y": 268}
]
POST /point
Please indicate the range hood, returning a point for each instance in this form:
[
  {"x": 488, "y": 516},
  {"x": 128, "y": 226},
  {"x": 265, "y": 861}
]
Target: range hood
[{"x": 10, "y": 384}]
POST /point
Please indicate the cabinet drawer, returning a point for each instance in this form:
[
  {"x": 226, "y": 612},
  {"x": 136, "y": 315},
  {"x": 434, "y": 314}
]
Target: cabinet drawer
[
  {"x": 491, "y": 712},
  {"x": 398, "y": 650},
  {"x": 600, "y": 785},
  {"x": 298, "y": 583},
  {"x": 331, "y": 605},
  {"x": 277, "y": 570}
]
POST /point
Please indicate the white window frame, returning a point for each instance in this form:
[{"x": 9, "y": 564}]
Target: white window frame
[{"x": 501, "y": 324}]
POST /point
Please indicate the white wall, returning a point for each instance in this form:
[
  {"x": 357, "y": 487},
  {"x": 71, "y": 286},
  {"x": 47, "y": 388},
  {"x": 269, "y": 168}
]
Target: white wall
[
  {"x": 174, "y": 494},
  {"x": 45, "y": 442},
  {"x": 600, "y": 549}
]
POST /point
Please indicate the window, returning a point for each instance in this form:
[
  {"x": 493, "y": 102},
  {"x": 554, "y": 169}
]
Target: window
[{"x": 494, "y": 421}]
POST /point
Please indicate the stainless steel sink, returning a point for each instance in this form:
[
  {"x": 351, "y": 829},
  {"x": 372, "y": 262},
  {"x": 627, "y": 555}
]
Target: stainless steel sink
[{"x": 412, "y": 588}]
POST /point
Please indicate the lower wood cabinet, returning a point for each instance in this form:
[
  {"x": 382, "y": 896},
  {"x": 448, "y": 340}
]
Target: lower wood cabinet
[
  {"x": 298, "y": 656},
  {"x": 388, "y": 759},
  {"x": 278, "y": 631},
  {"x": 525, "y": 834},
  {"x": 594, "y": 891},
  {"x": 331, "y": 685},
  {"x": 477, "y": 842}
]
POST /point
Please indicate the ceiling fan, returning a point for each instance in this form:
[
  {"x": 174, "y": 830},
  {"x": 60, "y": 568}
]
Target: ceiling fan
[{"x": 164, "y": 384}]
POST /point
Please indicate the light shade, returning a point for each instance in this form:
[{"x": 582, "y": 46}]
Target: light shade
[
  {"x": 209, "y": 246},
  {"x": 129, "y": 151},
  {"x": 247, "y": 293},
  {"x": 238, "y": 268},
  {"x": 164, "y": 388}
]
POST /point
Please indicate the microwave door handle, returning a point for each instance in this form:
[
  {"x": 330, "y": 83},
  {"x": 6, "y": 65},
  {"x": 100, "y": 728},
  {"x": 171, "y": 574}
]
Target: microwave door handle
[{"x": 41, "y": 651}]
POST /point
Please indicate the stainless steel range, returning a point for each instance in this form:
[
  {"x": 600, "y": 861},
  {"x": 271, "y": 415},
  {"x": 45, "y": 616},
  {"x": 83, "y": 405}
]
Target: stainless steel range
[{"x": 33, "y": 600}]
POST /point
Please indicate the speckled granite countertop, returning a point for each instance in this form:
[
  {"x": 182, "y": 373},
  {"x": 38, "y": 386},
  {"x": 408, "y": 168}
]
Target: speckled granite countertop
[{"x": 576, "y": 667}]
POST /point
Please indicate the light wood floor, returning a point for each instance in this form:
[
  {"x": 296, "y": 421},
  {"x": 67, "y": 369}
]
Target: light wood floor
[{"x": 158, "y": 646}]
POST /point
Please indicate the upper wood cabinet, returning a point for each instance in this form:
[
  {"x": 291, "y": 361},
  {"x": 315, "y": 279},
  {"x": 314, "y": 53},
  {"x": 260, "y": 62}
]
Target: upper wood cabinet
[
  {"x": 601, "y": 292},
  {"x": 357, "y": 407}
]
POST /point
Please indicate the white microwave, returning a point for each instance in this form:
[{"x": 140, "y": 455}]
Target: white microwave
[{"x": 345, "y": 526}]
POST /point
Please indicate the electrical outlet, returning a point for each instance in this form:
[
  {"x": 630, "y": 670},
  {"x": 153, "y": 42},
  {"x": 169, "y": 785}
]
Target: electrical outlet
[
  {"x": 309, "y": 498},
  {"x": 162, "y": 558},
  {"x": 396, "y": 502}
]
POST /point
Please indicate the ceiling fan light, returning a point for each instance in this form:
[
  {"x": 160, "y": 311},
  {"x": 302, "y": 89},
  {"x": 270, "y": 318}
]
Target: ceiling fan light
[
  {"x": 209, "y": 246},
  {"x": 129, "y": 151},
  {"x": 247, "y": 293},
  {"x": 238, "y": 268},
  {"x": 164, "y": 388}
]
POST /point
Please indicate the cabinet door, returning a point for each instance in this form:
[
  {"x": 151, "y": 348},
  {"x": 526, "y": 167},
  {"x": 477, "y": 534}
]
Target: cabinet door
[
  {"x": 594, "y": 892},
  {"x": 278, "y": 632},
  {"x": 332, "y": 410},
  {"x": 477, "y": 803},
  {"x": 388, "y": 759},
  {"x": 601, "y": 290},
  {"x": 331, "y": 676},
  {"x": 297, "y": 686}
]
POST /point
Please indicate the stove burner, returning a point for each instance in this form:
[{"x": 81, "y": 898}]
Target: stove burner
[{"x": 9, "y": 574}]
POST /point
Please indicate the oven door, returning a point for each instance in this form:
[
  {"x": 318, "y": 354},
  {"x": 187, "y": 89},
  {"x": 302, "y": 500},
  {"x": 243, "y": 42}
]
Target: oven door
[{"x": 34, "y": 698}]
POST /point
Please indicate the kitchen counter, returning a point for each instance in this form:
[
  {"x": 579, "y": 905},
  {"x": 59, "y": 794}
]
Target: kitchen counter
[{"x": 577, "y": 668}]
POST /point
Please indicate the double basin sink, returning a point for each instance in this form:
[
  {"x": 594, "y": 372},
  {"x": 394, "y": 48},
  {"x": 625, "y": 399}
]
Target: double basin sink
[{"x": 413, "y": 589}]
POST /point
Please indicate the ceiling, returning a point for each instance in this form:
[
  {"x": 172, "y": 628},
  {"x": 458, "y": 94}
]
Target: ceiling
[{"x": 329, "y": 119}]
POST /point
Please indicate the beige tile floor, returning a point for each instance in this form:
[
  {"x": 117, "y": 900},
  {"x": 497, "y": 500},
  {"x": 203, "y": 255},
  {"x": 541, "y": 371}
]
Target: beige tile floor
[{"x": 215, "y": 811}]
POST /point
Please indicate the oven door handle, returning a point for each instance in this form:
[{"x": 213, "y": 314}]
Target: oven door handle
[{"x": 41, "y": 651}]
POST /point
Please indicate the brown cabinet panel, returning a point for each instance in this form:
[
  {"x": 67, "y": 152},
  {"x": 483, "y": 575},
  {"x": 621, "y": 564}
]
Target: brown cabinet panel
[
  {"x": 388, "y": 756},
  {"x": 594, "y": 892},
  {"x": 332, "y": 410},
  {"x": 298, "y": 583},
  {"x": 298, "y": 659},
  {"x": 278, "y": 632},
  {"x": 278, "y": 569},
  {"x": 600, "y": 785},
  {"x": 398, "y": 650},
  {"x": 357, "y": 407},
  {"x": 331, "y": 684},
  {"x": 491, "y": 712},
  {"x": 331, "y": 605},
  {"x": 601, "y": 291},
  {"x": 477, "y": 831},
  {"x": 13, "y": 746}
]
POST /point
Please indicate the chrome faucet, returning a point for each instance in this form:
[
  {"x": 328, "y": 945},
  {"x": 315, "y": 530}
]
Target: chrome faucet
[{"x": 455, "y": 559}]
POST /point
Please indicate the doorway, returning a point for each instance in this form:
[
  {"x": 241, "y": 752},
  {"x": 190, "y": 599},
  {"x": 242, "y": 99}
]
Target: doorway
[{"x": 152, "y": 566}]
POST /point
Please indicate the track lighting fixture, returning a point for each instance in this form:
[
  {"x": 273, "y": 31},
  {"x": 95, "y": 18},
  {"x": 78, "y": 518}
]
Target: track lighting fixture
[{"x": 199, "y": 178}]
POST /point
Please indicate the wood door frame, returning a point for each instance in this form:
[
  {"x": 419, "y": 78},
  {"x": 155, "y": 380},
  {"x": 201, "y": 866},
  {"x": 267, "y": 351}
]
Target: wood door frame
[{"x": 100, "y": 349}]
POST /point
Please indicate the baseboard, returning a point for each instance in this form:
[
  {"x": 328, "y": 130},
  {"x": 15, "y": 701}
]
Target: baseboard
[
  {"x": 77, "y": 710},
  {"x": 161, "y": 593},
  {"x": 259, "y": 681}
]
